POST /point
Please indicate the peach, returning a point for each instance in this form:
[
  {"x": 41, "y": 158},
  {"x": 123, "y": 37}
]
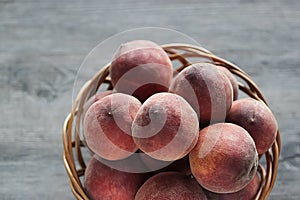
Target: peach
[
  {"x": 165, "y": 127},
  {"x": 233, "y": 81},
  {"x": 107, "y": 126},
  {"x": 207, "y": 89},
  {"x": 257, "y": 119},
  {"x": 141, "y": 68},
  {"x": 182, "y": 165},
  {"x": 247, "y": 193},
  {"x": 225, "y": 158},
  {"x": 171, "y": 186},
  {"x": 93, "y": 99},
  {"x": 104, "y": 183}
]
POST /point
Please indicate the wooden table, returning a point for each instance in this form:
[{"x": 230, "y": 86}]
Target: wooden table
[{"x": 43, "y": 43}]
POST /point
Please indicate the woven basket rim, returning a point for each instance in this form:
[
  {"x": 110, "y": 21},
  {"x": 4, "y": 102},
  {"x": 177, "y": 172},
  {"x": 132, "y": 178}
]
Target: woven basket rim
[{"x": 72, "y": 156}]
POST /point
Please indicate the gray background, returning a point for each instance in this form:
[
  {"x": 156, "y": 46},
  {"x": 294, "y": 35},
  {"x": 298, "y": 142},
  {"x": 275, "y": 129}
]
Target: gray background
[{"x": 43, "y": 43}]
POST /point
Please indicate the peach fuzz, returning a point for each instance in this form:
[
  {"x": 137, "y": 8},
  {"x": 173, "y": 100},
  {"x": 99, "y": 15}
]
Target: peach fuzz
[
  {"x": 257, "y": 119},
  {"x": 104, "y": 183},
  {"x": 141, "y": 68},
  {"x": 225, "y": 158},
  {"x": 207, "y": 89},
  {"x": 107, "y": 126},
  {"x": 165, "y": 127}
]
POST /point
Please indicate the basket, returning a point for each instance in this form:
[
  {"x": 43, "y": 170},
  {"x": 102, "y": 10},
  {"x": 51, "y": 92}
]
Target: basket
[{"x": 180, "y": 53}]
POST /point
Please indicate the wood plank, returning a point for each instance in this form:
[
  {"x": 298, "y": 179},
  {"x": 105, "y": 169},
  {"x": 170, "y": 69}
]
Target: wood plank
[{"x": 43, "y": 43}]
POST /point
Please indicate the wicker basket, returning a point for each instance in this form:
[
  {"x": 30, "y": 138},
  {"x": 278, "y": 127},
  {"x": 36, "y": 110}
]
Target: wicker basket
[{"x": 73, "y": 145}]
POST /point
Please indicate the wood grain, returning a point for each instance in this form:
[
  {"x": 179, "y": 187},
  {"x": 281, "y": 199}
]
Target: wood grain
[{"x": 43, "y": 43}]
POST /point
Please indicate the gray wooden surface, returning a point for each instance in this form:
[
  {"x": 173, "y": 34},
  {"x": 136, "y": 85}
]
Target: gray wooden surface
[{"x": 43, "y": 43}]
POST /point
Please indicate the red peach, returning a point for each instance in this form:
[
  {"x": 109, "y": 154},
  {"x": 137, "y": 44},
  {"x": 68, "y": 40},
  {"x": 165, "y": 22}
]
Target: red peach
[
  {"x": 141, "y": 68},
  {"x": 165, "y": 127},
  {"x": 107, "y": 126},
  {"x": 257, "y": 119},
  {"x": 104, "y": 183},
  {"x": 207, "y": 89},
  {"x": 225, "y": 159}
]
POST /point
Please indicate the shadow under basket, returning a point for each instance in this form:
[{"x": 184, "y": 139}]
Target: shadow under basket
[{"x": 182, "y": 55}]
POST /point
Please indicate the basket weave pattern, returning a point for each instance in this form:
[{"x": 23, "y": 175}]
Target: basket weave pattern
[{"x": 73, "y": 144}]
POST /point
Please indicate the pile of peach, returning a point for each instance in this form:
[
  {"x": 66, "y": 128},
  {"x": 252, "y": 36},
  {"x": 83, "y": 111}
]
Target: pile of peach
[{"x": 193, "y": 122}]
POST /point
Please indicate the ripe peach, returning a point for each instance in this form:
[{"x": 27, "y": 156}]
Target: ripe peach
[
  {"x": 207, "y": 89},
  {"x": 141, "y": 68},
  {"x": 233, "y": 81},
  {"x": 165, "y": 127},
  {"x": 225, "y": 159},
  {"x": 171, "y": 186},
  {"x": 107, "y": 126},
  {"x": 103, "y": 183},
  {"x": 257, "y": 119},
  {"x": 247, "y": 193},
  {"x": 93, "y": 99}
]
